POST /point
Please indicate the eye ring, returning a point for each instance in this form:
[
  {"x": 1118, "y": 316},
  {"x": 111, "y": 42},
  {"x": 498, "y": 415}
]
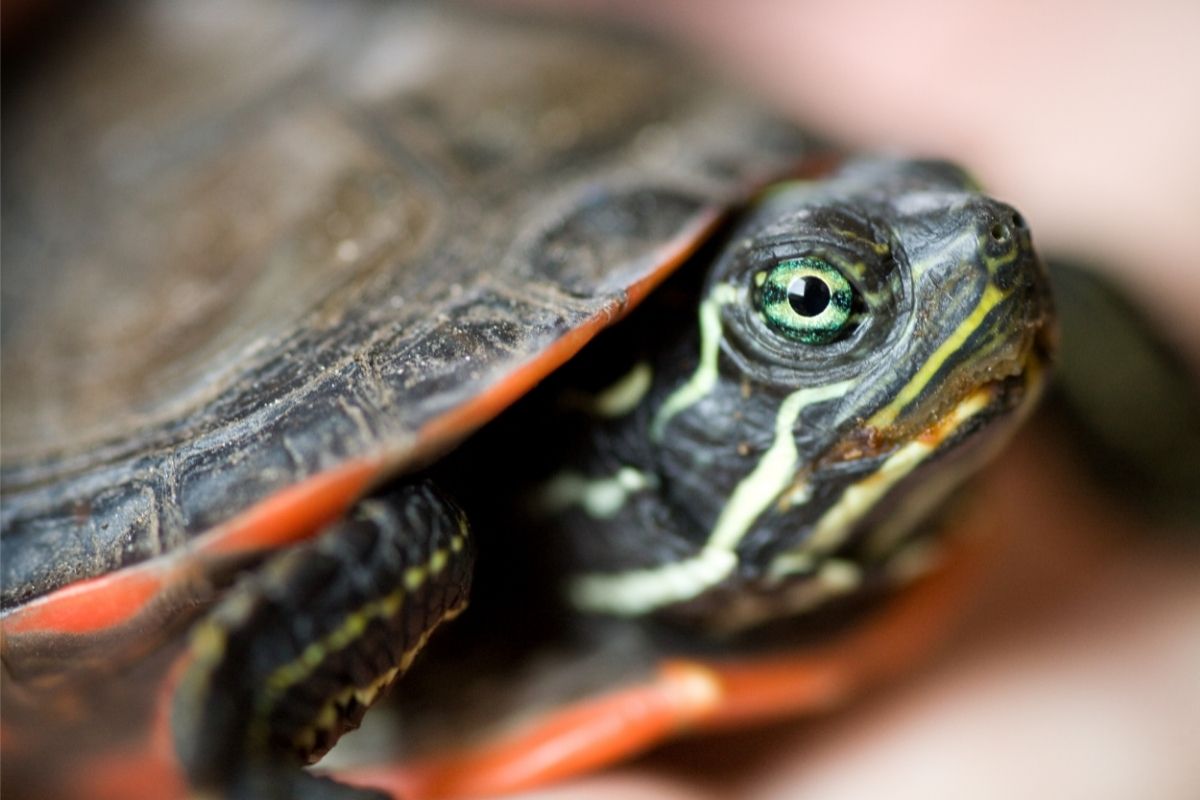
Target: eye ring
[{"x": 806, "y": 299}]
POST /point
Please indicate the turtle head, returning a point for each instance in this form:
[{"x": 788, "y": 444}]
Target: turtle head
[{"x": 864, "y": 343}]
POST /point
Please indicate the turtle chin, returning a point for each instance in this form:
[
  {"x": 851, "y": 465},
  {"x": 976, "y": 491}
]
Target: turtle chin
[{"x": 890, "y": 520}]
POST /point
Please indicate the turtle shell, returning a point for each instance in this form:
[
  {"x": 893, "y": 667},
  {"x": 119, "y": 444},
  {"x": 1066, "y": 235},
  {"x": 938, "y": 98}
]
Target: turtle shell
[{"x": 259, "y": 257}]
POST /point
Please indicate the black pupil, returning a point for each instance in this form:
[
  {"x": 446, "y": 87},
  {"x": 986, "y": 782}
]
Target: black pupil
[{"x": 808, "y": 295}]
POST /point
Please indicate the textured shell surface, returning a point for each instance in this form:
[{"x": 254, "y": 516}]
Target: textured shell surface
[{"x": 246, "y": 242}]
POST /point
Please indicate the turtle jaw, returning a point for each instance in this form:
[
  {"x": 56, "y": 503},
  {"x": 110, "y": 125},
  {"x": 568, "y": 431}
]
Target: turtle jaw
[
  {"x": 879, "y": 531},
  {"x": 885, "y": 486},
  {"x": 882, "y": 527},
  {"x": 1006, "y": 386}
]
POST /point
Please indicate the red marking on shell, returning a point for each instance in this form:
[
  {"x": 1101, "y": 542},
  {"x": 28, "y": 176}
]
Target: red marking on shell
[
  {"x": 126, "y": 773},
  {"x": 689, "y": 696},
  {"x": 790, "y": 684},
  {"x": 89, "y": 605},
  {"x": 296, "y": 512},
  {"x": 293, "y": 513},
  {"x": 577, "y": 739},
  {"x": 109, "y": 601}
]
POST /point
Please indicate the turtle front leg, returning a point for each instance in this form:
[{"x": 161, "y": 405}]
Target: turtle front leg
[{"x": 293, "y": 656}]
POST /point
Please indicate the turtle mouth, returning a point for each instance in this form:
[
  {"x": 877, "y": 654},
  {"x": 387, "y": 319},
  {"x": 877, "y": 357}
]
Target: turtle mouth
[
  {"x": 1014, "y": 394},
  {"x": 1009, "y": 385},
  {"x": 1020, "y": 386},
  {"x": 884, "y": 527},
  {"x": 968, "y": 435}
]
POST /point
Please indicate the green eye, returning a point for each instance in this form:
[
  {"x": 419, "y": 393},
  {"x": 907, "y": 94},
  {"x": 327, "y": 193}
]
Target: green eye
[{"x": 806, "y": 299}]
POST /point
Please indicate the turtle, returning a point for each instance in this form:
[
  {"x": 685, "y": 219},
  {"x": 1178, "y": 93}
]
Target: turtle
[{"x": 322, "y": 321}]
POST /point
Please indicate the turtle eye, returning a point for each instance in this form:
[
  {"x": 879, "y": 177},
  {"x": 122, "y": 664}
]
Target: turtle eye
[{"x": 806, "y": 299}]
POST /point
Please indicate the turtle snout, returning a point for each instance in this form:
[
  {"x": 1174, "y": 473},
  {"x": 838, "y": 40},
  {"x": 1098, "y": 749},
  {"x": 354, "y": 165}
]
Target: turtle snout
[{"x": 1017, "y": 273}]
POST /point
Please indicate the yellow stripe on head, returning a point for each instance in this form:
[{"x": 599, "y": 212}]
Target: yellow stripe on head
[{"x": 990, "y": 298}]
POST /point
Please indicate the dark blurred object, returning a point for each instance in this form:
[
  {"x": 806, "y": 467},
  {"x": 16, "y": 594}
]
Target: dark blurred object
[
  {"x": 24, "y": 24},
  {"x": 1130, "y": 399},
  {"x": 17, "y": 15},
  {"x": 32, "y": 32}
]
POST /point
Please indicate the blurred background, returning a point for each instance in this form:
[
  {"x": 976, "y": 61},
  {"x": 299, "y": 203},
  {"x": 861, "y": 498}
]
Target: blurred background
[
  {"x": 1077, "y": 671},
  {"x": 1084, "y": 115}
]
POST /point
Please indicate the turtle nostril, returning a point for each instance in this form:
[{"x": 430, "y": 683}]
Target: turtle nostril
[
  {"x": 1018, "y": 221},
  {"x": 999, "y": 232}
]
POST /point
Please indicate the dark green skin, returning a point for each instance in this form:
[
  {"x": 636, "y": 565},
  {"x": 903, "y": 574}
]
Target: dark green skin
[{"x": 495, "y": 256}]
